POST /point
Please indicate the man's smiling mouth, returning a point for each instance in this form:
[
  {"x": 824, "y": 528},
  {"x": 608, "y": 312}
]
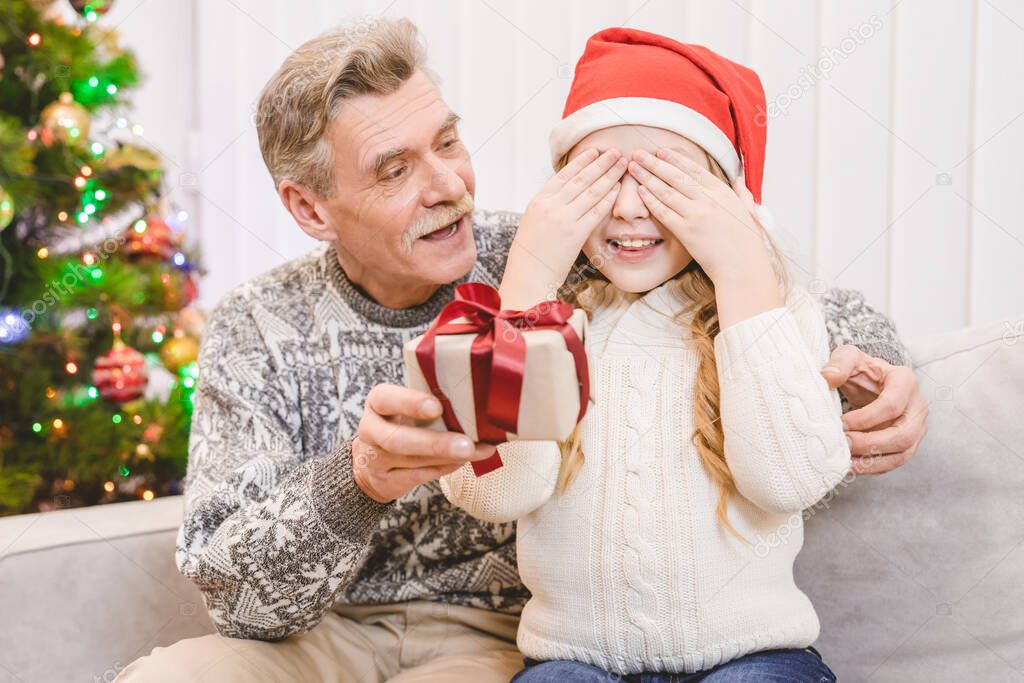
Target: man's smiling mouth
[{"x": 444, "y": 232}]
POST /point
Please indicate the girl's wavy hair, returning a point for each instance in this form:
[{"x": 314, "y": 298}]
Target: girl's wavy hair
[{"x": 700, "y": 315}]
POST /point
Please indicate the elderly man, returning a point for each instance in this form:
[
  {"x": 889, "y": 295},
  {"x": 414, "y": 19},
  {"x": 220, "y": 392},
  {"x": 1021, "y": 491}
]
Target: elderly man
[{"x": 313, "y": 519}]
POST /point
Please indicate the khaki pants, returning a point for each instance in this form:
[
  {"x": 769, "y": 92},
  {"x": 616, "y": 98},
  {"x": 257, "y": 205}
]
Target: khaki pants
[{"x": 414, "y": 642}]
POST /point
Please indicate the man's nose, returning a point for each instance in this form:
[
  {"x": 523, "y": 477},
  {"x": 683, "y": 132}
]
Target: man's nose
[
  {"x": 444, "y": 184},
  {"x": 628, "y": 205}
]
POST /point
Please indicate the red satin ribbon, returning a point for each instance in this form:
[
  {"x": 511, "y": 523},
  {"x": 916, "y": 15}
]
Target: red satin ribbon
[{"x": 497, "y": 359}]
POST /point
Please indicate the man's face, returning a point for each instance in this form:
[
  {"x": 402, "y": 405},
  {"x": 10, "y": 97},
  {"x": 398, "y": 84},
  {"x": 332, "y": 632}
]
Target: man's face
[{"x": 403, "y": 187}]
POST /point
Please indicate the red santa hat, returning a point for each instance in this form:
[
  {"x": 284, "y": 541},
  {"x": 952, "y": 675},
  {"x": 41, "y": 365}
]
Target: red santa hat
[{"x": 627, "y": 76}]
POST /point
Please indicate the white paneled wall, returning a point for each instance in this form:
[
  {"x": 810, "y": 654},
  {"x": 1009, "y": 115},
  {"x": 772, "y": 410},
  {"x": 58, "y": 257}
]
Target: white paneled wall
[{"x": 894, "y": 142}]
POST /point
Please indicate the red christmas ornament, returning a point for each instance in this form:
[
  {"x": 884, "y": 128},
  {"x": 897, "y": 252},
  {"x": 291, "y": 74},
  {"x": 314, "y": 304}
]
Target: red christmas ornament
[
  {"x": 179, "y": 291},
  {"x": 191, "y": 291},
  {"x": 152, "y": 433},
  {"x": 156, "y": 240},
  {"x": 83, "y": 7},
  {"x": 120, "y": 375}
]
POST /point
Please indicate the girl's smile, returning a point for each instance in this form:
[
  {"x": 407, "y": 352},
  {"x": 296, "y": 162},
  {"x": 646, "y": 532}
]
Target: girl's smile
[{"x": 633, "y": 248}]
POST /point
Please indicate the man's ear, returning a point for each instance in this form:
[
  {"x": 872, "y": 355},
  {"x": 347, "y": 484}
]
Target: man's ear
[{"x": 302, "y": 203}]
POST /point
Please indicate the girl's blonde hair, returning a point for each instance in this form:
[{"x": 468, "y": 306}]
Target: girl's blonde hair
[{"x": 697, "y": 291}]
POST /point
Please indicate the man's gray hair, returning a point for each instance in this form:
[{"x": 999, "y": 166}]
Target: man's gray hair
[{"x": 370, "y": 56}]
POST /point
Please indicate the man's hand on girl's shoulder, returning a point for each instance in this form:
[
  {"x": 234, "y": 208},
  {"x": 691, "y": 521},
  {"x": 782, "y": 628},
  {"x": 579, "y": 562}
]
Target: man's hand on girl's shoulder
[{"x": 890, "y": 415}]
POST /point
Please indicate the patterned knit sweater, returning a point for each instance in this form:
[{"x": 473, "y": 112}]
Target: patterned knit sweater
[
  {"x": 275, "y": 530},
  {"x": 629, "y": 569}
]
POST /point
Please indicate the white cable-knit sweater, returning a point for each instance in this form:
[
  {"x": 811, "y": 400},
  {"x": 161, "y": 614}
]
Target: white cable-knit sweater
[{"x": 630, "y": 570}]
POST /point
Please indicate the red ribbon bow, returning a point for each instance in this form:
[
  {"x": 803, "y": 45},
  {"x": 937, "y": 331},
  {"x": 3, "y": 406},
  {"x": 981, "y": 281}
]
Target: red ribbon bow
[{"x": 497, "y": 359}]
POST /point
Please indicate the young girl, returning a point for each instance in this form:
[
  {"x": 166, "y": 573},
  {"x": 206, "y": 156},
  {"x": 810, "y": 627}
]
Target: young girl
[{"x": 660, "y": 539}]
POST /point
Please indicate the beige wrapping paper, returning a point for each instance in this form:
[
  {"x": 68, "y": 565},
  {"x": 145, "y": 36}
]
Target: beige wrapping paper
[{"x": 550, "y": 399}]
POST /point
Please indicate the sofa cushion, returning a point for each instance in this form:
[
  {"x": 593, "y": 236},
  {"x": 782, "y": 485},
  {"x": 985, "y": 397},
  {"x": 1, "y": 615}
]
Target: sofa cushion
[
  {"x": 916, "y": 574},
  {"x": 85, "y": 591}
]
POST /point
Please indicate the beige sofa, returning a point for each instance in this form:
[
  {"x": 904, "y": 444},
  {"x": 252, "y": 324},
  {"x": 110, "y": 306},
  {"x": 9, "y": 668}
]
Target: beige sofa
[{"x": 916, "y": 575}]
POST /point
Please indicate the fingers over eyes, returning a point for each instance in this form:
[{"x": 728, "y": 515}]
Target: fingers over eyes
[
  {"x": 577, "y": 164},
  {"x": 582, "y": 181},
  {"x": 646, "y": 165},
  {"x": 666, "y": 194},
  {"x": 597, "y": 192}
]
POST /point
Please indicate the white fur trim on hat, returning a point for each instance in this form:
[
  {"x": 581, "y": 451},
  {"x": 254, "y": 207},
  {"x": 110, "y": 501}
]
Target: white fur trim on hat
[
  {"x": 645, "y": 111},
  {"x": 764, "y": 217}
]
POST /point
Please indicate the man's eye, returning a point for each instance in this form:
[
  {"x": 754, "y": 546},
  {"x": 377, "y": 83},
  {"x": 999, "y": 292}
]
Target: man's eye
[
  {"x": 450, "y": 143},
  {"x": 395, "y": 173}
]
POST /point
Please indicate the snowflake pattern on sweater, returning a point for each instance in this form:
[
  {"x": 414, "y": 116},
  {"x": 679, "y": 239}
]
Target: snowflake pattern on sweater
[{"x": 275, "y": 530}]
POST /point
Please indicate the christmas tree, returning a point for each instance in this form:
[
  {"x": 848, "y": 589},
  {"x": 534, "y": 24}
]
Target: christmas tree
[{"x": 97, "y": 337}]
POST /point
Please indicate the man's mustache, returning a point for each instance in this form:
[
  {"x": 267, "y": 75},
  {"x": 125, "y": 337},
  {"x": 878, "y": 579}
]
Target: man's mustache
[{"x": 437, "y": 219}]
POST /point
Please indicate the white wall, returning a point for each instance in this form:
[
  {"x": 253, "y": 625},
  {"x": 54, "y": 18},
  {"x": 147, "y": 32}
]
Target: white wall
[{"x": 896, "y": 173}]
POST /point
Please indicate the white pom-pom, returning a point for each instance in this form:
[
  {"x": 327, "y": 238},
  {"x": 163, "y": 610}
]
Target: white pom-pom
[{"x": 764, "y": 217}]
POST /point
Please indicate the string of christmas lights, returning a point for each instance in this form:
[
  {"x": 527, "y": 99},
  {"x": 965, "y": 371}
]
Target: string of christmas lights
[{"x": 98, "y": 332}]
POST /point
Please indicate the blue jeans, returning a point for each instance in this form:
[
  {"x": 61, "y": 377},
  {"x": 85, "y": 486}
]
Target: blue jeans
[{"x": 791, "y": 666}]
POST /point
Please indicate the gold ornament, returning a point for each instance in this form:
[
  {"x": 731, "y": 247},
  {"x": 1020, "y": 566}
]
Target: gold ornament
[
  {"x": 143, "y": 452},
  {"x": 65, "y": 119},
  {"x": 179, "y": 351},
  {"x": 110, "y": 40},
  {"x": 132, "y": 155},
  {"x": 191, "y": 320},
  {"x": 41, "y": 5},
  {"x": 6, "y": 208}
]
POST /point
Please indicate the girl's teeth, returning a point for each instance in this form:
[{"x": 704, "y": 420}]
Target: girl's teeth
[{"x": 635, "y": 243}]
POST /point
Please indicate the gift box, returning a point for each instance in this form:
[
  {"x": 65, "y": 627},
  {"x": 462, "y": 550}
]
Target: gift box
[{"x": 503, "y": 375}]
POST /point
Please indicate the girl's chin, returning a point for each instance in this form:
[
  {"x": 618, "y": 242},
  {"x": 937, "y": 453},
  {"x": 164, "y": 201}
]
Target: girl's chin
[
  {"x": 635, "y": 285},
  {"x": 637, "y": 273},
  {"x": 639, "y": 280}
]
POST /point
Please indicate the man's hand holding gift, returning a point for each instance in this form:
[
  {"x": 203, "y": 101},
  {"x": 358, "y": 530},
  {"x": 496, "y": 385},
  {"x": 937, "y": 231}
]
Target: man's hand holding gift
[{"x": 392, "y": 454}]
